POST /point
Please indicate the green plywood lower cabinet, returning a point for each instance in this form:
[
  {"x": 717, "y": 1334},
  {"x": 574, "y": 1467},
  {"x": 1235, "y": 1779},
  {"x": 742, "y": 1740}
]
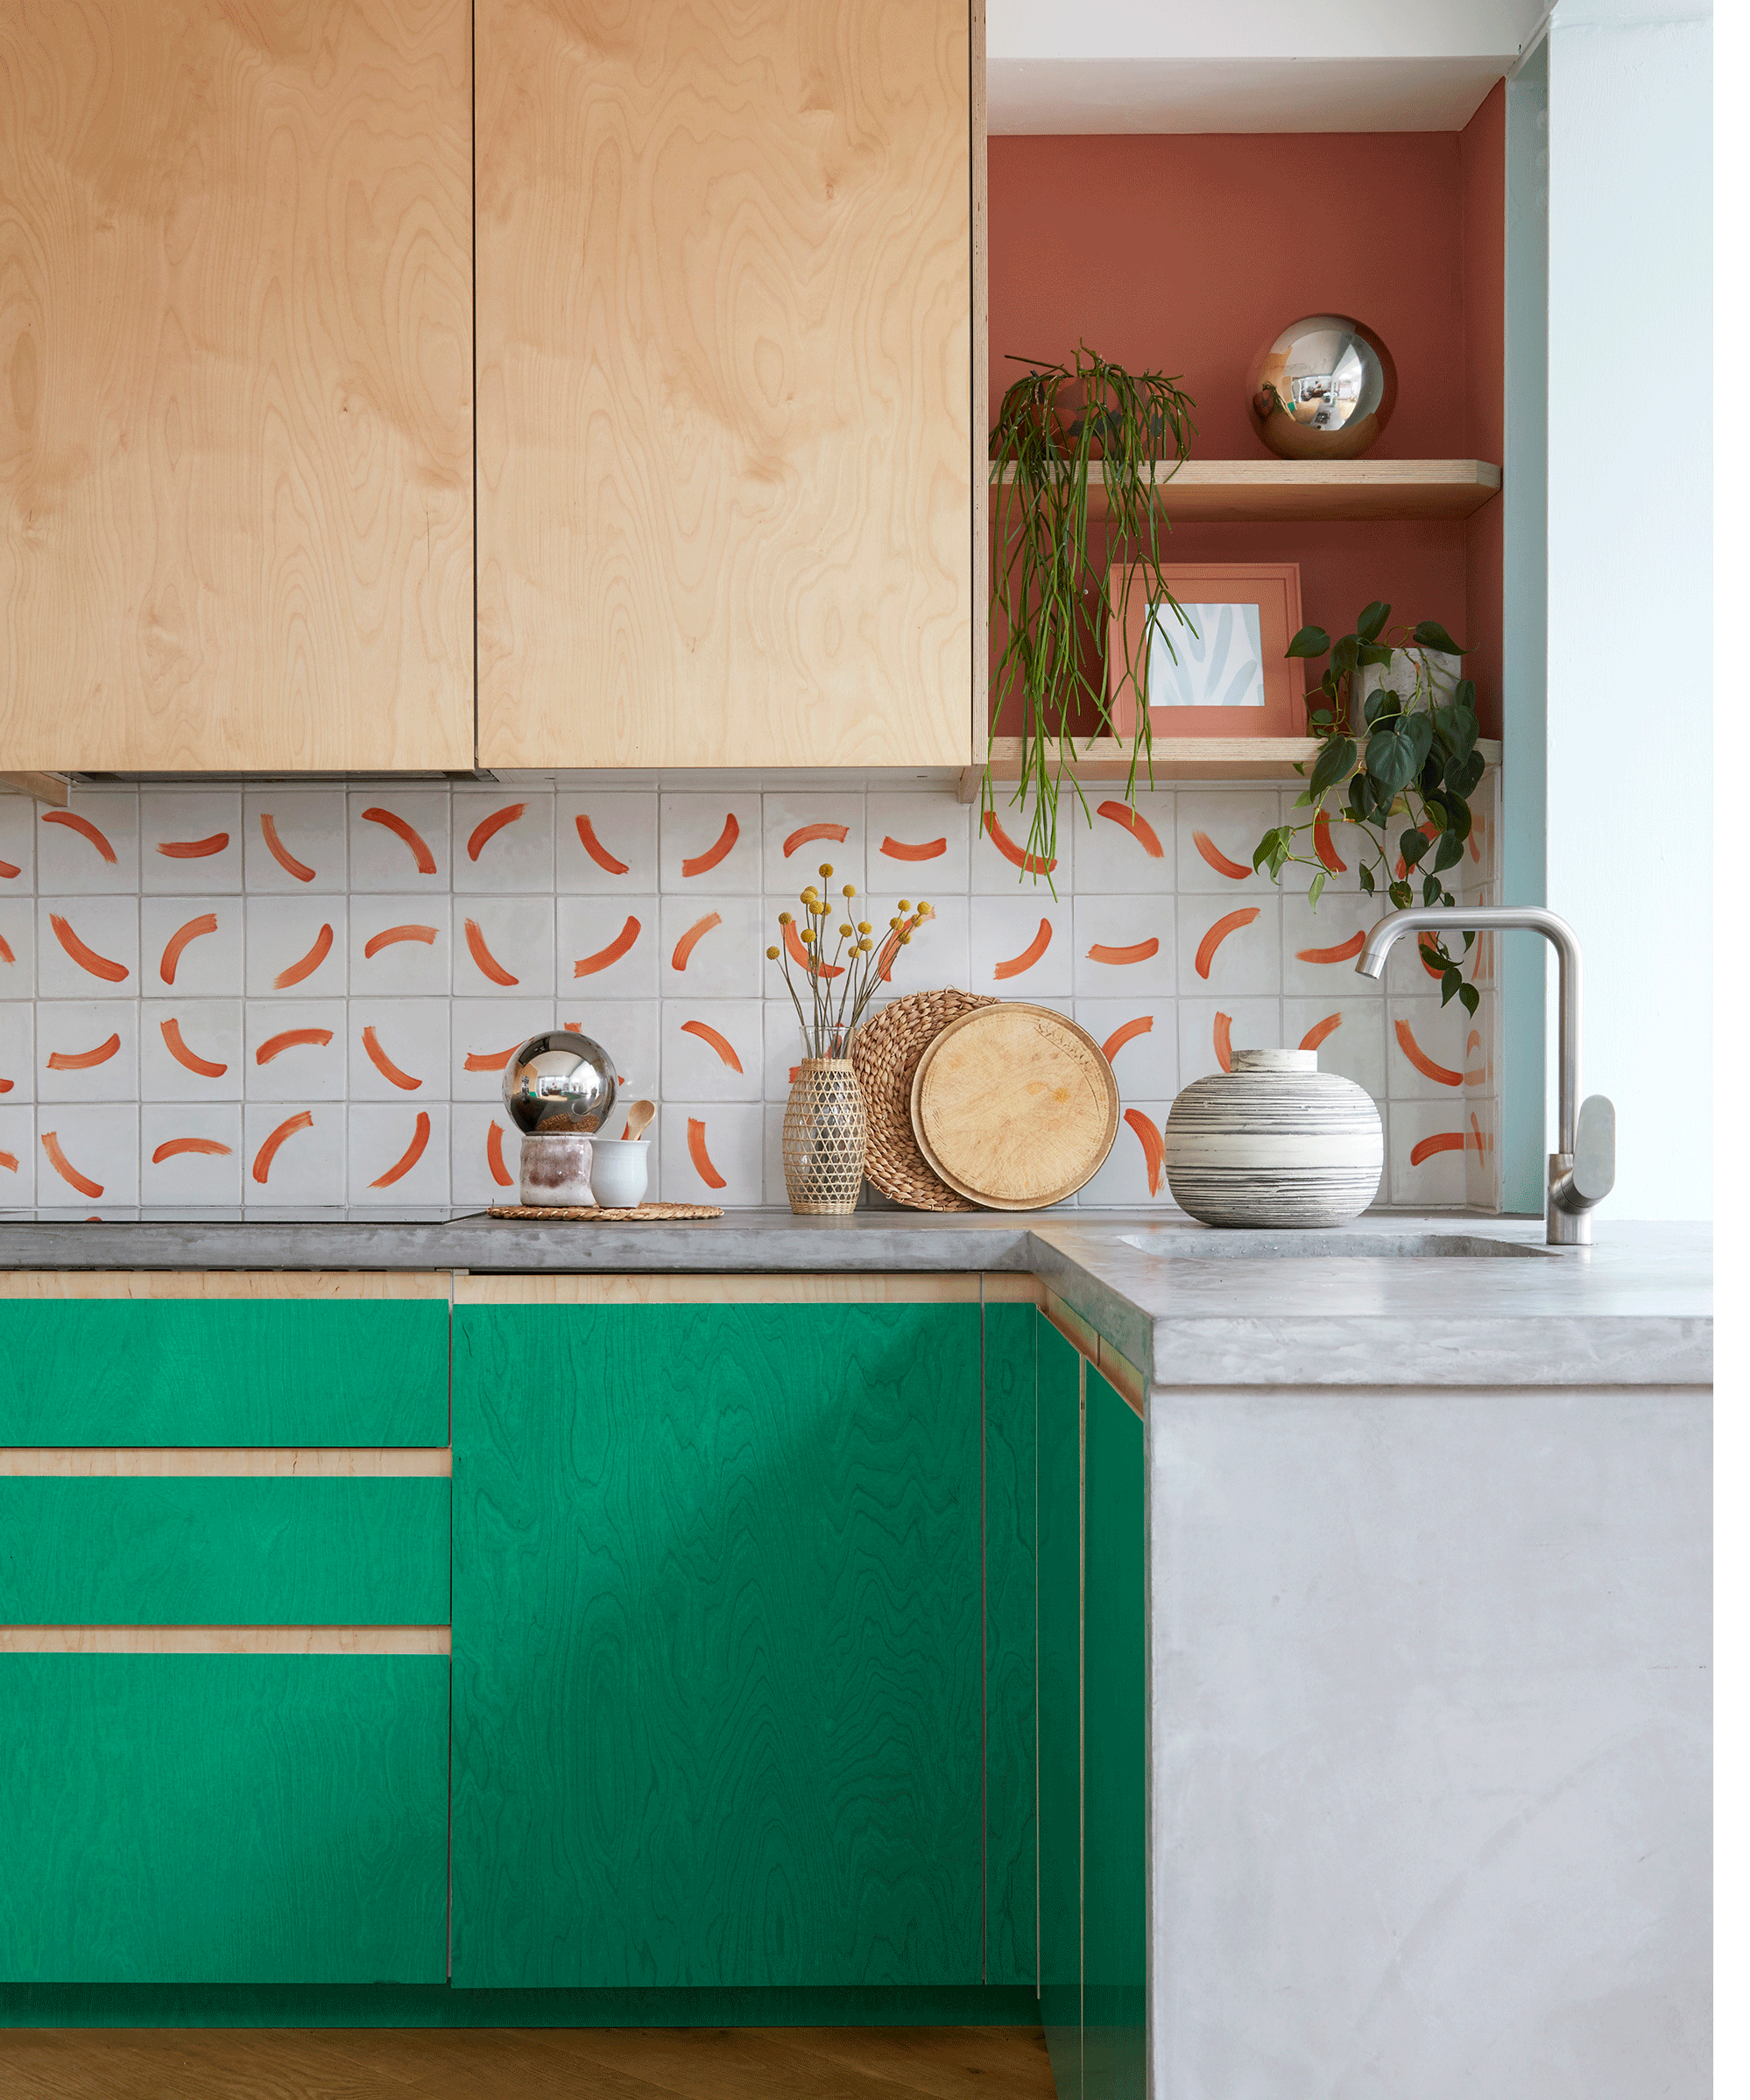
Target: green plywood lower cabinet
[
  {"x": 223, "y": 1819},
  {"x": 1060, "y": 1705},
  {"x": 717, "y": 1645}
]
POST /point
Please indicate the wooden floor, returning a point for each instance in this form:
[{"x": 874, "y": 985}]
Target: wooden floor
[{"x": 528, "y": 2063}]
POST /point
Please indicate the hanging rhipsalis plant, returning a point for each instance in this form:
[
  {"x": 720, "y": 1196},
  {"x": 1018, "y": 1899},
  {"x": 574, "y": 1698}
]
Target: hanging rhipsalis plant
[
  {"x": 1060, "y": 528},
  {"x": 1411, "y": 757}
]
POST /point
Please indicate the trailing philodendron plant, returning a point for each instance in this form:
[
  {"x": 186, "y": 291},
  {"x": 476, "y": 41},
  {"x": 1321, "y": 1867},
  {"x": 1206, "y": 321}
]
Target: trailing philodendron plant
[
  {"x": 1410, "y": 756},
  {"x": 1060, "y": 530}
]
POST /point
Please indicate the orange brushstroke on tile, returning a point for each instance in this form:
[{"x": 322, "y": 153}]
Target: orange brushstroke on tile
[
  {"x": 7, "y": 871},
  {"x": 71, "y": 820},
  {"x": 195, "y": 849},
  {"x": 1425, "y": 1064},
  {"x": 597, "y": 852},
  {"x": 1029, "y": 954},
  {"x": 404, "y": 831},
  {"x": 705, "y": 1034},
  {"x": 172, "y": 1033},
  {"x": 1217, "y": 859},
  {"x": 276, "y": 846},
  {"x": 489, "y": 827},
  {"x": 798, "y": 955},
  {"x": 9, "y": 1161},
  {"x": 68, "y": 1172},
  {"x": 495, "y": 1155},
  {"x": 1476, "y": 850},
  {"x": 1345, "y": 952},
  {"x": 692, "y": 937},
  {"x": 386, "y": 1064},
  {"x": 1143, "y": 1024},
  {"x": 6, "y": 954},
  {"x": 1218, "y": 933},
  {"x": 270, "y": 1144},
  {"x": 173, "y": 1147},
  {"x": 489, "y": 1060},
  {"x": 296, "y": 972},
  {"x": 6, "y": 1085},
  {"x": 486, "y": 961},
  {"x": 795, "y": 1069},
  {"x": 1447, "y": 1141},
  {"x": 1138, "y": 951},
  {"x": 1029, "y": 863},
  {"x": 1474, "y": 1041},
  {"x": 620, "y": 945},
  {"x": 930, "y": 849},
  {"x": 1138, "y": 826},
  {"x": 290, "y": 1038},
  {"x": 1317, "y": 1033},
  {"x": 701, "y": 863},
  {"x": 1326, "y": 847},
  {"x": 410, "y": 1158},
  {"x": 1153, "y": 1152},
  {"x": 1223, "y": 1038},
  {"x": 391, "y": 935},
  {"x": 206, "y": 923},
  {"x": 702, "y": 1158},
  {"x": 82, "y": 1061},
  {"x": 87, "y": 958},
  {"x": 807, "y": 833}
]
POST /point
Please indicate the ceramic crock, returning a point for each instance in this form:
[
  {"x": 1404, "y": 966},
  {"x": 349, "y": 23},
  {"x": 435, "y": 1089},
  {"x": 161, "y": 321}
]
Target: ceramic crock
[
  {"x": 555, "y": 1170},
  {"x": 1275, "y": 1142}
]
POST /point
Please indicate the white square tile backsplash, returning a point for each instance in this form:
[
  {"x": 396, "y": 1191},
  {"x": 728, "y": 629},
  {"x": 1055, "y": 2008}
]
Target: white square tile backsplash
[{"x": 282, "y": 1001}]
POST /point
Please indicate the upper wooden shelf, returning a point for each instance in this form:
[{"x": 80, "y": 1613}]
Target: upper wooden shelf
[
  {"x": 1307, "y": 491},
  {"x": 1104, "y": 759}
]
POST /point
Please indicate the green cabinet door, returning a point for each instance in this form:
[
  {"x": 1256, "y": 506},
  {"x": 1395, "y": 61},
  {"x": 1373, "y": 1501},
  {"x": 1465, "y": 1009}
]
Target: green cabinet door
[
  {"x": 1115, "y": 1725},
  {"x": 1010, "y": 1639},
  {"x": 717, "y": 1620},
  {"x": 1060, "y": 1705},
  {"x": 223, "y": 1819}
]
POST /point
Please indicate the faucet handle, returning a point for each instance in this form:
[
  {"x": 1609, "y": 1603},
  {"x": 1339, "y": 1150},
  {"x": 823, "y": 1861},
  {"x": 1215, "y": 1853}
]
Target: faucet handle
[{"x": 1594, "y": 1169}]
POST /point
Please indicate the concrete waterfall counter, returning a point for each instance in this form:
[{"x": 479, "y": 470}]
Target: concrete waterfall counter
[{"x": 1416, "y": 1549}]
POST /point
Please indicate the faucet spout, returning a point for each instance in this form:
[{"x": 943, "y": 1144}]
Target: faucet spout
[{"x": 1571, "y": 1194}]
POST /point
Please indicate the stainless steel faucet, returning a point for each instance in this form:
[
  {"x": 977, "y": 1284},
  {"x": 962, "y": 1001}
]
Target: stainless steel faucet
[{"x": 1583, "y": 1170}]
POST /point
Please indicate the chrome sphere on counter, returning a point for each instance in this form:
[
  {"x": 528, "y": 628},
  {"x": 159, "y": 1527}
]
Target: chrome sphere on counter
[
  {"x": 559, "y": 1082},
  {"x": 1324, "y": 389}
]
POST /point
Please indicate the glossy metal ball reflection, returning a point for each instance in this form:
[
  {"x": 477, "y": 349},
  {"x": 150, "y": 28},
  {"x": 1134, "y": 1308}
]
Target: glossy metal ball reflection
[
  {"x": 559, "y": 1082},
  {"x": 1324, "y": 389}
]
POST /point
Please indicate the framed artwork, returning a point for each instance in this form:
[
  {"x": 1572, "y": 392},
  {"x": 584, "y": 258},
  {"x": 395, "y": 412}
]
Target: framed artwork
[{"x": 1218, "y": 666}]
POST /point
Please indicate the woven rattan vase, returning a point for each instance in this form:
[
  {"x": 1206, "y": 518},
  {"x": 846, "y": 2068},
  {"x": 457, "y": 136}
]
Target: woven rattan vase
[{"x": 825, "y": 1134}]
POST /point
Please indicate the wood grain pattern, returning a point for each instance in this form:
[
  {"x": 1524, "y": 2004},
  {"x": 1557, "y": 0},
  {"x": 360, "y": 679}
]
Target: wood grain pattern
[
  {"x": 340, "y": 1285},
  {"x": 233, "y": 1372},
  {"x": 725, "y": 383},
  {"x": 254, "y": 1553},
  {"x": 841, "y": 1287},
  {"x": 1115, "y": 1868},
  {"x": 694, "y": 2062},
  {"x": 981, "y": 386},
  {"x": 223, "y": 1818},
  {"x": 717, "y": 1645},
  {"x": 236, "y": 431},
  {"x": 195, "y": 1462},
  {"x": 1060, "y": 1704},
  {"x": 225, "y": 1640},
  {"x": 1304, "y": 491},
  {"x": 1011, "y": 1594}
]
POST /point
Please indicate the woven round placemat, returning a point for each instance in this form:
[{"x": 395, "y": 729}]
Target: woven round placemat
[
  {"x": 885, "y": 1054},
  {"x": 647, "y": 1214}
]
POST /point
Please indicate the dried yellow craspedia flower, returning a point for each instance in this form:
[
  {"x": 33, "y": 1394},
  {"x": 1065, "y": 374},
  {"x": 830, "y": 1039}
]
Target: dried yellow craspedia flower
[
  {"x": 826, "y": 867},
  {"x": 784, "y": 919},
  {"x": 808, "y": 933},
  {"x": 904, "y": 906},
  {"x": 864, "y": 926},
  {"x": 849, "y": 890},
  {"x": 771, "y": 954},
  {"x": 905, "y": 940},
  {"x": 893, "y": 921},
  {"x": 845, "y": 932}
]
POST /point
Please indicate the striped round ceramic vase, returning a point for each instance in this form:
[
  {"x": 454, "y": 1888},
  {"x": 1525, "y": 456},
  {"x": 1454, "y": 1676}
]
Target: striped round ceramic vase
[{"x": 1275, "y": 1142}]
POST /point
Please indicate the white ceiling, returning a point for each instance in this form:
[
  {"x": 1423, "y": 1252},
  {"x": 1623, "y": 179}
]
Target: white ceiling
[{"x": 1248, "y": 65}]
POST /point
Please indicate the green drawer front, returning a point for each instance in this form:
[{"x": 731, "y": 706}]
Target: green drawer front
[
  {"x": 224, "y": 1371},
  {"x": 108, "y": 1552},
  {"x": 223, "y": 1818}
]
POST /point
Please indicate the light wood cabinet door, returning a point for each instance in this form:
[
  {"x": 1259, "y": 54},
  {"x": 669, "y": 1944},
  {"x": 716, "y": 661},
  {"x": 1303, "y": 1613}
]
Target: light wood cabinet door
[
  {"x": 726, "y": 376},
  {"x": 236, "y": 385}
]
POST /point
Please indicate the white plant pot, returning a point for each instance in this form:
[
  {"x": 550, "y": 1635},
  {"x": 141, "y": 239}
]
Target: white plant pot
[{"x": 1275, "y": 1142}]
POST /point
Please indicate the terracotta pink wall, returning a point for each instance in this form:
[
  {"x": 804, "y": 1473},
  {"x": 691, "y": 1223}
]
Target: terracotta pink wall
[{"x": 1189, "y": 253}]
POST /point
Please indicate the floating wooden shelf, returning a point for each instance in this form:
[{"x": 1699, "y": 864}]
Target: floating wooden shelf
[
  {"x": 1311, "y": 491},
  {"x": 1107, "y": 759}
]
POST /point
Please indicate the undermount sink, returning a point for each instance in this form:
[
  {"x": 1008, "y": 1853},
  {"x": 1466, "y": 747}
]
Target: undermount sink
[{"x": 1414, "y": 1242}]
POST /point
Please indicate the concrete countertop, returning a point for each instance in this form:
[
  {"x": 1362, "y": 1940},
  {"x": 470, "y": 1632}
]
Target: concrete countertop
[{"x": 1189, "y": 1308}]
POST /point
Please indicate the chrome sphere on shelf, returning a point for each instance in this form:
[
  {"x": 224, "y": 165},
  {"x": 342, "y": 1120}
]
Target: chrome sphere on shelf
[
  {"x": 559, "y": 1082},
  {"x": 1324, "y": 389}
]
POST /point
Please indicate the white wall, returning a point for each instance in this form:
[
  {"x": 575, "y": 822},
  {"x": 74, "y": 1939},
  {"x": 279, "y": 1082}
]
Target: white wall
[{"x": 1630, "y": 586}]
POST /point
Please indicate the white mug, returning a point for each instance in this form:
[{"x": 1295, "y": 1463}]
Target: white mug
[{"x": 620, "y": 1173}]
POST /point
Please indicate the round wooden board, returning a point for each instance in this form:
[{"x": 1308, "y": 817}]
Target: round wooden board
[{"x": 1015, "y": 1106}]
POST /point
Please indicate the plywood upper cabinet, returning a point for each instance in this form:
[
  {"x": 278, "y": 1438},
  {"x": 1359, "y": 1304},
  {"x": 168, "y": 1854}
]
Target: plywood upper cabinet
[
  {"x": 726, "y": 376},
  {"x": 236, "y": 385}
]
